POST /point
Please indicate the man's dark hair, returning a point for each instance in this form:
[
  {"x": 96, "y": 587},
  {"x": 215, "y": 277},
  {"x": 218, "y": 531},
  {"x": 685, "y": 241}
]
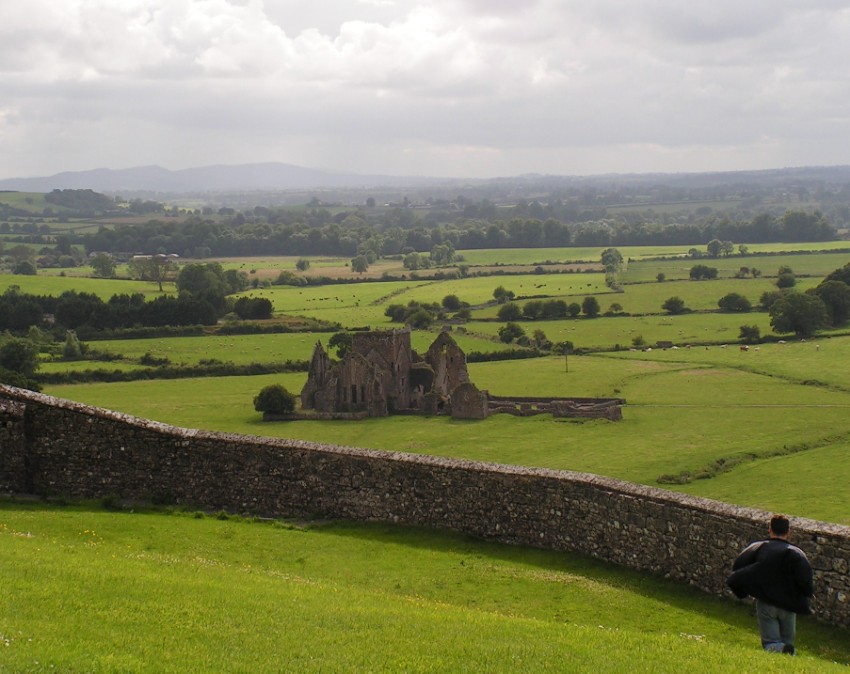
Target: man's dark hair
[{"x": 779, "y": 525}]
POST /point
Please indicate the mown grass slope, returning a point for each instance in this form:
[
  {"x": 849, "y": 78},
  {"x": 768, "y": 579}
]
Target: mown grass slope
[{"x": 92, "y": 591}]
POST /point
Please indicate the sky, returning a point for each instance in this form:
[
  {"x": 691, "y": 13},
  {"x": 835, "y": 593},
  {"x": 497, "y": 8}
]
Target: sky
[{"x": 446, "y": 88}]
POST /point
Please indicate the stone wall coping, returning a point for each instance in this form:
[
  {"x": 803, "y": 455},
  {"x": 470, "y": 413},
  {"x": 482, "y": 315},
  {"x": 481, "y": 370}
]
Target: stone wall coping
[{"x": 740, "y": 514}]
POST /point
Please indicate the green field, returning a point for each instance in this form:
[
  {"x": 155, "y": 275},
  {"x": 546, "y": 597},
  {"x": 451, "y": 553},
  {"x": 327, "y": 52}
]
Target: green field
[
  {"x": 727, "y": 267},
  {"x": 91, "y": 591},
  {"x": 43, "y": 284},
  {"x": 532, "y": 256},
  {"x": 273, "y": 348},
  {"x": 686, "y": 410},
  {"x": 769, "y": 428}
]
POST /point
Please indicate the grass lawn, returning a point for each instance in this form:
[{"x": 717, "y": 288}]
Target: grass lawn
[{"x": 92, "y": 591}]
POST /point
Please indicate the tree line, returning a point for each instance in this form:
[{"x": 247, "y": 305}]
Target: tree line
[
  {"x": 202, "y": 298},
  {"x": 359, "y": 232}
]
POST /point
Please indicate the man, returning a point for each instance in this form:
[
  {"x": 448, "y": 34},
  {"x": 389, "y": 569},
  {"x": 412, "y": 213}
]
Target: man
[{"x": 779, "y": 576}]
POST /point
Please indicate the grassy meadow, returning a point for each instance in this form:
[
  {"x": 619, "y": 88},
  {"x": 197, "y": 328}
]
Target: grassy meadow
[
  {"x": 45, "y": 284},
  {"x": 688, "y": 409},
  {"x": 90, "y": 590},
  {"x": 86, "y": 590}
]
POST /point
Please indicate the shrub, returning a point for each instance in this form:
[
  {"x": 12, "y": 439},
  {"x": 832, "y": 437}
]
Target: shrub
[
  {"x": 701, "y": 271},
  {"x": 510, "y": 332},
  {"x": 674, "y": 305},
  {"x": 786, "y": 280},
  {"x": 750, "y": 334},
  {"x": 451, "y": 303},
  {"x": 275, "y": 399},
  {"x": 509, "y": 312},
  {"x": 734, "y": 302},
  {"x": 253, "y": 308},
  {"x": 590, "y": 307}
]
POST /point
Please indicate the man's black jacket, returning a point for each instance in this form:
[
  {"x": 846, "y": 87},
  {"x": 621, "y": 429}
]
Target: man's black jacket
[{"x": 776, "y": 572}]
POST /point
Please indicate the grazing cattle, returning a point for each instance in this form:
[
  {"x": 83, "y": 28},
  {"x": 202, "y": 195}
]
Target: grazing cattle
[{"x": 744, "y": 347}]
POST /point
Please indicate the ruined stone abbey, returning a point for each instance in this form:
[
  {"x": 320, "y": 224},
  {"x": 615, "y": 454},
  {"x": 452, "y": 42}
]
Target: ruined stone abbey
[{"x": 382, "y": 375}]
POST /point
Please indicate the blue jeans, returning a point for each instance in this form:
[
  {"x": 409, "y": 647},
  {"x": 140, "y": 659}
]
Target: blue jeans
[{"x": 776, "y": 625}]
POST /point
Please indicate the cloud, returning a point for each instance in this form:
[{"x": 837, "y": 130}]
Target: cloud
[{"x": 415, "y": 86}]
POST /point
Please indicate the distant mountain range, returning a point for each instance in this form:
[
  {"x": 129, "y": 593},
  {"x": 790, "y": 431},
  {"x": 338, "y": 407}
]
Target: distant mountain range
[
  {"x": 283, "y": 177},
  {"x": 244, "y": 177}
]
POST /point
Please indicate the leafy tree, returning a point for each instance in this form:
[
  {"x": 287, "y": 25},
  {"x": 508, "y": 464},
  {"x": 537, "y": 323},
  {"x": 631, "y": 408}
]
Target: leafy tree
[
  {"x": 274, "y": 399},
  {"x": 661, "y": 277},
  {"x": 416, "y": 314},
  {"x": 836, "y": 298},
  {"x": 553, "y": 309},
  {"x": 590, "y": 307},
  {"x": 342, "y": 342},
  {"x": 541, "y": 341},
  {"x": 205, "y": 282},
  {"x": 785, "y": 278},
  {"x": 20, "y": 253},
  {"x": 413, "y": 261},
  {"x": 451, "y": 303},
  {"x": 800, "y": 313},
  {"x": 841, "y": 274},
  {"x": 701, "y": 271},
  {"x": 509, "y": 312},
  {"x": 72, "y": 348},
  {"x": 103, "y": 265},
  {"x": 19, "y": 355},
  {"x": 573, "y": 309},
  {"x": 734, "y": 303},
  {"x": 501, "y": 295},
  {"x": 287, "y": 278},
  {"x": 674, "y": 305},
  {"x": 420, "y": 319},
  {"x": 359, "y": 264},
  {"x": 442, "y": 254},
  {"x": 714, "y": 247},
  {"x": 560, "y": 348},
  {"x": 256, "y": 308},
  {"x": 612, "y": 260},
  {"x": 395, "y": 312},
  {"x": 509, "y": 332},
  {"x": 768, "y": 297},
  {"x": 750, "y": 334},
  {"x": 532, "y": 310},
  {"x": 25, "y": 268},
  {"x": 235, "y": 280},
  {"x": 302, "y": 264},
  {"x": 157, "y": 268}
]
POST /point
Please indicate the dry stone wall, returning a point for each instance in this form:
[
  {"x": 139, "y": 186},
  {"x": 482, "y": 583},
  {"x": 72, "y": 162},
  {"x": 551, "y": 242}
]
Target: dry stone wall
[{"x": 54, "y": 447}]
